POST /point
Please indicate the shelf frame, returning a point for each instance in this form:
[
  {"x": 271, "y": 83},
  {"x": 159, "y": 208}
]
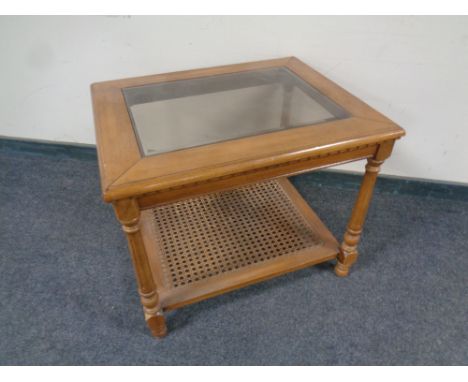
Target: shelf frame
[{"x": 172, "y": 298}]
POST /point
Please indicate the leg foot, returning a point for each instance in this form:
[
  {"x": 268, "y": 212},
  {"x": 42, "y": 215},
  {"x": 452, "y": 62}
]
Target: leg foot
[
  {"x": 341, "y": 270},
  {"x": 344, "y": 262},
  {"x": 157, "y": 325}
]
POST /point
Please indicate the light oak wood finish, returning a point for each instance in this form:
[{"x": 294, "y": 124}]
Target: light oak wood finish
[{"x": 135, "y": 184}]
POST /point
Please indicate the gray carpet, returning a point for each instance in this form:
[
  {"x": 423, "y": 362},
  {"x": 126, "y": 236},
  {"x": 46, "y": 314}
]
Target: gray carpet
[{"x": 68, "y": 294}]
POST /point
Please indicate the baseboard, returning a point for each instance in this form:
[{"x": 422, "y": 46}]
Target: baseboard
[
  {"x": 47, "y": 148},
  {"x": 387, "y": 184},
  {"x": 323, "y": 178}
]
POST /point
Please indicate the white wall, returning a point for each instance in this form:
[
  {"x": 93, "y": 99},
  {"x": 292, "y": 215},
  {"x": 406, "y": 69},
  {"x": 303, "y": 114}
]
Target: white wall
[{"x": 412, "y": 69}]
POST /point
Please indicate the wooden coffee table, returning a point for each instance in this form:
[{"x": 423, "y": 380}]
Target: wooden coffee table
[{"x": 195, "y": 165}]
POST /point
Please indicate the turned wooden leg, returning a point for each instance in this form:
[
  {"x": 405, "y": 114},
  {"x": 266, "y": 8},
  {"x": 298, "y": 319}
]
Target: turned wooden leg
[
  {"x": 348, "y": 250},
  {"x": 128, "y": 213}
]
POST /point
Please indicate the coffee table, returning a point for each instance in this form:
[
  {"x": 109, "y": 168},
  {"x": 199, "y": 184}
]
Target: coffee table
[{"x": 195, "y": 165}]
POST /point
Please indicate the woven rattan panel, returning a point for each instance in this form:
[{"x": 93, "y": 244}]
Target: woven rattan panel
[{"x": 217, "y": 233}]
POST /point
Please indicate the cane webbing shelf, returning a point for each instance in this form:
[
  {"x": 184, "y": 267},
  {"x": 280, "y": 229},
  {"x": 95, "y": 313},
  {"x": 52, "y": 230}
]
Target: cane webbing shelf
[{"x": 206, "y": 245}]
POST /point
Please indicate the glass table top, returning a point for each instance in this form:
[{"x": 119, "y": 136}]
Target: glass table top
[{"x": 180, "y": 114}]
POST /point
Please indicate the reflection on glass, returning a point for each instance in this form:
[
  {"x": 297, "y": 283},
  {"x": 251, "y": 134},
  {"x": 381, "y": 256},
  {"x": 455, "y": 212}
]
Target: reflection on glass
[{"x": 186, "y": 113}]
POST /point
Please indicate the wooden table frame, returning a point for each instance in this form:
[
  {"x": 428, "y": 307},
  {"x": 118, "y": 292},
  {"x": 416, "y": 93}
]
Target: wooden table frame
[{"x": 133, "y": 182}]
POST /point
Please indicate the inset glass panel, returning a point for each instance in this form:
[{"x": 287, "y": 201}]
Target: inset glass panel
[{"x": 180, "y": 114}]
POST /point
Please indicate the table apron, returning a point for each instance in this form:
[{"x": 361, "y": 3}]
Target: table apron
[{"x": 252, "y": 176}]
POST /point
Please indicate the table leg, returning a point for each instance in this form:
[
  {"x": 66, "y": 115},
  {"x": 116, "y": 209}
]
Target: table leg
[
  {"x": 128, "y": 213},
  {"x": 348, "y": 250}
]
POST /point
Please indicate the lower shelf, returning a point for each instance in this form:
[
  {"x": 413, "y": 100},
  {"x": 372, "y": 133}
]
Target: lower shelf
[{"x": 208, "y": 245}]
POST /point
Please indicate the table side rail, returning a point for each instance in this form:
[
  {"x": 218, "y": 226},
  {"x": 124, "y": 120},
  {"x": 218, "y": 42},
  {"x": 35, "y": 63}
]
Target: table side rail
[{"x": 249, "y": 177}]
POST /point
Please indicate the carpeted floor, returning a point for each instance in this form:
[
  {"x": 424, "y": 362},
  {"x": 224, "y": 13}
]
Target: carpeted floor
[{"x": 68, "y": 295}]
